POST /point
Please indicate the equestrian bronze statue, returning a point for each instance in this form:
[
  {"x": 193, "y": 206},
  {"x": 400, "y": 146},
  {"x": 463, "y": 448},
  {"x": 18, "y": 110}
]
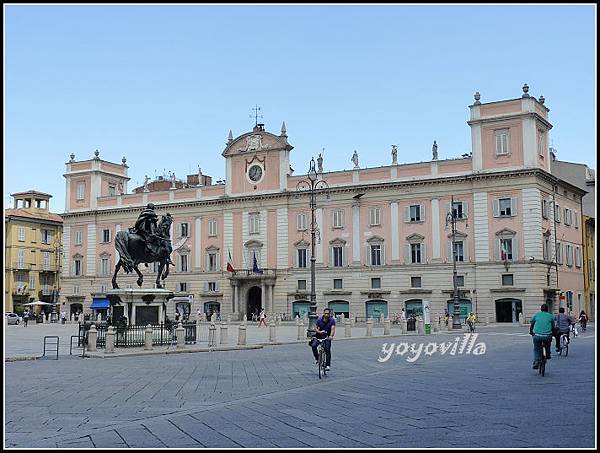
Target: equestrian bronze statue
[{"x": 148, "y": 241}]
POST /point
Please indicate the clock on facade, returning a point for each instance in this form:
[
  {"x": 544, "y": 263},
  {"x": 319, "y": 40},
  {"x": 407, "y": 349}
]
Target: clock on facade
[{"x": 255, "y": 173}]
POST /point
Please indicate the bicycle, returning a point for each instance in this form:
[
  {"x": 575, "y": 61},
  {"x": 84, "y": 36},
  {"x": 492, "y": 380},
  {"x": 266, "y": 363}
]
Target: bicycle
[
  {"x": 574, "y": 330},
  {"x": 321, "y": 358},
  {"x": 471, "y": 326},
  {"x": 564, "y": 344},
  {"x": 542, "y": 366}
]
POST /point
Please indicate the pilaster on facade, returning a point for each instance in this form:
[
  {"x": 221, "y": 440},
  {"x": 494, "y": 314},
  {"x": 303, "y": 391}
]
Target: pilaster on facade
[
  {"x": 198, "y": 243},
  {"x": 355, "y": 233},
  {"x": 532, "y": 226},
  {"x": 66, "y": 264},
  {"x": 282, "y": 239},
  {"x": 481, "y": 226},
  {"x": 435, "y": 230},
  {"x": 319, "y": 244},
  {"x": 395, "y": 232},
  {"x": 227, "y": 236},
  {"x": 91, "y": 250}
]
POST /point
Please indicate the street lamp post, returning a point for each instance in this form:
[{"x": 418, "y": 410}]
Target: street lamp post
[
  {"x": 450, "y": 217},
  {"x": 312, "y": 184}
]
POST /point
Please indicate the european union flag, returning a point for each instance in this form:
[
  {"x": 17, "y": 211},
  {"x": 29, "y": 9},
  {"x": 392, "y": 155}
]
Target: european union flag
[{"x": 255, "y": 267}]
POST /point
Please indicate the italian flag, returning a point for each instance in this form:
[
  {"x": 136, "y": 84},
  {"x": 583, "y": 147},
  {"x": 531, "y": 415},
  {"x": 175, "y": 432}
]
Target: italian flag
[{"x": 229, "y": 265}]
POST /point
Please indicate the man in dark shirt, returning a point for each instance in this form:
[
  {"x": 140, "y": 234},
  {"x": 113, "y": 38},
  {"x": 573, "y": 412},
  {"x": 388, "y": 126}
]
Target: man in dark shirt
[{"x": 325, "y": 330}]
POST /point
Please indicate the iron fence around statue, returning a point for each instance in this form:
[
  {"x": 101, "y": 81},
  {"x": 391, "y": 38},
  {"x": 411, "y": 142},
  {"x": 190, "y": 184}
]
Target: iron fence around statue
[{"x": 134, "y": 335}]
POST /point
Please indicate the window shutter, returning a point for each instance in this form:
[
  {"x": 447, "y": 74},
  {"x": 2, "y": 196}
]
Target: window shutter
[
  {"x": 496, "y": 207},
  {"x": 422, "y": 212},
  {"x": 515, "y": 246},
  {"x": 407, "y": 214},
  {"x": 407, "y": 254},
  {"x": 206, "y": 262},
  {"x": 465, "y": 250},
  {"x": 497, "y": 251},
  {"x": 423, "y": 253},
  {"x": 513, "y": 206},
  {"x": 382, "y": 254},
  {"x": 205, "y": 287},
  {"x": 368, "y": 255},
  {"x": 218, "y": 260},
  {"x": 449, "y": 210},
  {"x": 465, "y": 209},
  {"x": 576, "y": 219}
]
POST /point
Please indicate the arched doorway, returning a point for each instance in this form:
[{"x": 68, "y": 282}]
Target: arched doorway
[
  {"x": 75, "y": 309},
  {"x": 507, "y": 310},
  {"x": 254, "y": 301},
  {"x": 375, "y": 308},
  {"x": 300, "y": 308},
  {"x": 414, "y": 307},
  {"x": 339, "y": 307}
]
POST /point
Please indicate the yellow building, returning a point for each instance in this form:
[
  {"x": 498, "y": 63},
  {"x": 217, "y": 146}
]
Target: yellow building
[
  {"x": 589, "y": 270},
  {"x": 33, "y": 249}
]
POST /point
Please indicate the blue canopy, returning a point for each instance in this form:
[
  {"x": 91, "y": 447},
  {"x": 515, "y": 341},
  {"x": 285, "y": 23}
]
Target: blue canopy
[{"x": 100, "y": 303}]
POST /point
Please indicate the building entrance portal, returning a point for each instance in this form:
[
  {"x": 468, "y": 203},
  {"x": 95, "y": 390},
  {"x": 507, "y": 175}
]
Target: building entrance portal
[{"x": 254, "y": 303}]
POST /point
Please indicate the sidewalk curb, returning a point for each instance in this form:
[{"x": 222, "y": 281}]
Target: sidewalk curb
[
  {"x": 21, "y": 358},
  {"x": 103, "y": 355}
]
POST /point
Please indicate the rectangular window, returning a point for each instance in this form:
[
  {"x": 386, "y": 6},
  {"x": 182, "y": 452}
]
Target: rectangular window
[
  {"x": 459, "y": 254},
  {"x": 105, "y": 235},
  {"x": 338, "y": 218},
  {"x": 184, "y": 230},
  {"x": 77, "y": 270},
  {"x": 112, "y": 191},
  {"x": 415, "y": 253},
  {"x": 46, "y": 261},
  {"x": 104, "y": 268},
  {"x": 302, "y": 285},
  {"x": 80, "y": 190},
  {"x": 212, "y": 227},
  {"x": 545, "y": 209},
  {"x": 212, "y": 286},
  {"x": 559, "y": 259},
  {"x": 577, "y": 257},
  {"x": 507, "y": 280},
  {"x": 21, "y": 233},
  {"x": 21, "y": 259},
  {"x": 301, "y": 257},
  {"x": 415, "y": 213},
  {"x": 78, "y": 237},
  {"x": 457, "y": 210},
  {"x": 557, "y": 213},
  {"x": 415, "y": 282},
  {"x": 374, "y": 216},
  {"x": 182, "y": 287},
  {"x": 46, "y": 236},
  {"x": 541, "y": 143},
  {"x": 576, "y": 219},
  {"x": 212, "y": 261},
  {"x": 505, "y": 205},
  {"x": 75, "y": 289},
  {"x": 31, "y": 281},
  {"x": 460, "y": 280},
  {"x": 254, "y": 223},
  {"x": 338, "y": 256},
  {"x": 567, "y": 216},
  {"x": 502, "y": 141},
  {"x": 301, "y": 222},
  {"x": 375, "y": 255},
  {"x": 337, "y": 283},
  {"x": 376, "y": 283},
  {"x": 569, "y": 253},
  {"x": 506, "y": 249},
  {"x": 184, "y": 263},
  {"x": 546, "y": 249}
]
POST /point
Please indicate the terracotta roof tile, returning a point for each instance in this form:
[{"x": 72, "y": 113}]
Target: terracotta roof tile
[{"x": 24, "y": 213}]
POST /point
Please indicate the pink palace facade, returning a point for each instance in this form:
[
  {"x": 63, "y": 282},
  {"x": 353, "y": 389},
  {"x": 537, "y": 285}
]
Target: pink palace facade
[{"x": 384, "y": 244}]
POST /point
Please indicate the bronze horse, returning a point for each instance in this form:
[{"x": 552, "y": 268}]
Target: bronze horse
[{"x": 133, "y": 251}]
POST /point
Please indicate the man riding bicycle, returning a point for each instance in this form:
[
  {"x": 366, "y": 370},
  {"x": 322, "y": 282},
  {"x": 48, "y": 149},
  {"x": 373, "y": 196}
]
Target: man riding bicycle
[
  {"x": 325, "y": 330},
  {"x": 564, "y": 323},
  {"x": 541, "y": 330}
]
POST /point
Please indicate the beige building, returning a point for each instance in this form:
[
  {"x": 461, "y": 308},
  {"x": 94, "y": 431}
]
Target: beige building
[
  {"x": 32, "y": 251},
  {"x": 384, "y": 244}
]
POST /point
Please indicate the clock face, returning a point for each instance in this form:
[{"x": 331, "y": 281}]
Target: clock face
[{"x": 255, "y": 173}]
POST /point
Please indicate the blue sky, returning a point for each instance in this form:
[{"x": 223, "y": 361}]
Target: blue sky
[{"x": 162, "y": 85}]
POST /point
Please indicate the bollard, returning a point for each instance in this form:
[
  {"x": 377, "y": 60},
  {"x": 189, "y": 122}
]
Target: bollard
[
  {"x": 148, "y": 337},
  {"x": 245, "y": 320},
  {"x": 212, "y": 336},
  {"x": 81, "y": 318},
  {"x": 180, "y": 334},
  {"x": 277, "y": 319},
  {"x": 301, "y": 331},
  {"x": 198, "y": 332},
  {"x": 272, "y": 333},
  {"x": 92, "y": 337},
  {"x": 487, "y": 318},
  {"x": 242, "y": 334},
  {"x": 386, "y": 326},
  {"x": 420, "y": 326},
  {"x": 381, "y": 318},
  {"x": 352, "y": 319},
  {"x": 403, "y": 326},
  {"x": 110, "y": 340},
  {"x": 223, "y": 336},
  {"x": 347, "y": 328},
  {"x": 436, "y": 323},
  {"x": 370, "y": 327}
]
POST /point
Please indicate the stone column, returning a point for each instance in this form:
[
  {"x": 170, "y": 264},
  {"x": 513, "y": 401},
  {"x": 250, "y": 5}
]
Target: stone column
[
  {"x": 233, "y": 297},
  {"x": 148, "y": 337},
  {"x": 386, "y": 326},
  {"x": 272, "y": 335},
  {"x": 301, "y": 331},
  {"x": 263, "y": 298},
  {"x": 110, "y": 340},
  {"x": 370, "y": 327},
  {"x": 212, "y": 335},
  {"x": 223, "y": 336},
  {"x": 92, "y": 337},
  {"x": 242, "y": 334},
  {"x": 238, "y": 304},
  {"x": 180, "y": 336}
]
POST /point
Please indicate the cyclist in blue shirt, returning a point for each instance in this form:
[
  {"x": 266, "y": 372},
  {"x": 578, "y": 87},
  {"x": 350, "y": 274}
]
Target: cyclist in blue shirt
[
  {"x": 541, "y": 330},
  {"x": 325, "y": 330}
]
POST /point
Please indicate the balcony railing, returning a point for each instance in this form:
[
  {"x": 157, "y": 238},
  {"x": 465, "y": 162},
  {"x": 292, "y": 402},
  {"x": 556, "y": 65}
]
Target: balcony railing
[
  {"x": 249, "y": 273},
  {"x": 49, "y": 268},
  {"x": 22, "y": 266},
  {"x": 20, "y": 292}
]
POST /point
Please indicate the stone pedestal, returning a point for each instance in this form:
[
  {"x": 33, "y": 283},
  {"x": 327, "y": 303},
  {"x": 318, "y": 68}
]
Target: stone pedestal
[
  {"x": 386, "y": 326},
  {"x": 369, "y": 327},
  {"x": 148, "y": 337},
  {"x": 242, "y": 334},
  {"x": 223, "y": 337},
  {"x": 381, "y": 318},
  {"x": 180, "y": 336},
  {"x": 347, "y": 329},
  {"x": 132, "y": 298},
  {"x": 92, "y": 338},
  {"x": 212, "y": 336},
  {"x": 110, "y": 340},
  {"x": 272, "y": 334}
]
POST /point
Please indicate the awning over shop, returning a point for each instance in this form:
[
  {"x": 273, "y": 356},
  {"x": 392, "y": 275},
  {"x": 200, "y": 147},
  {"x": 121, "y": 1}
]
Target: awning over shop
[{"x": 100, "y": 303}]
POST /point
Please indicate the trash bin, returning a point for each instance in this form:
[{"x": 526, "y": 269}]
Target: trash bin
[{"x": 427, "y": 329}]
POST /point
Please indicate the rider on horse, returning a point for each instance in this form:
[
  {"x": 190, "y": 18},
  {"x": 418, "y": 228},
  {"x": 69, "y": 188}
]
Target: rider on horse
[{"x": 145, "y": 226}]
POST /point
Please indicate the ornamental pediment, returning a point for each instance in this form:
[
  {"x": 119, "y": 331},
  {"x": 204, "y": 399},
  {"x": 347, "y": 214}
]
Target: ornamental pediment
[
  {"x": 506, "y": 232},
  {"x": 415, "y": 237},
  {"x": 256, "y": 141},
  {"x": 458, "y": 234}
]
